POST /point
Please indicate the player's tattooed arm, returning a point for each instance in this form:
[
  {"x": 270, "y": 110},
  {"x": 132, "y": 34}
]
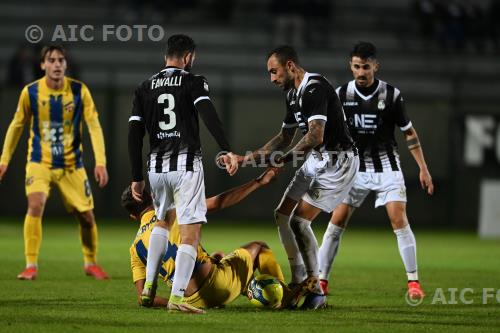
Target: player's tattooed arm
[
  {"x": 313, "y": 138},
  {"x": 281, "y": 141},
  {"x": 415, "y": 148}
]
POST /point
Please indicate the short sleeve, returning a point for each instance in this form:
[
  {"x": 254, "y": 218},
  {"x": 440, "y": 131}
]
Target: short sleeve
[
  {"x": 315, "y": 102},
  {"x": 199, "y": 89},
  {"x": 401, "y": 117},
  {"x": 137, "y": 267}
]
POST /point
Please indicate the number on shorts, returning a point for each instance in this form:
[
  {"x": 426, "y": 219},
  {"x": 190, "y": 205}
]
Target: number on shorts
[{"x": 169, "y": 110}]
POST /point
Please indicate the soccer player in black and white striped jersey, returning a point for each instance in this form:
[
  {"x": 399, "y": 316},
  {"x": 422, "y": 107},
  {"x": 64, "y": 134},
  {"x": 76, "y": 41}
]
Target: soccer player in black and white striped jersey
[
  {"x": 373, "y": 109},
  {"x": 167, "y": 105},
  {"x": 328, "y": 172}
]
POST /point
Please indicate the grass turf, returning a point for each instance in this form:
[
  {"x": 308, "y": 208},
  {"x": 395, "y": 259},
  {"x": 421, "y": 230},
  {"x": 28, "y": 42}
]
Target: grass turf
[{"x": 368, "y": 285}]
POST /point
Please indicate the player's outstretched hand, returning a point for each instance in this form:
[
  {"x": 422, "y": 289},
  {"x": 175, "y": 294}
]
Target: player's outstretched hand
[
  {"x": 268, "y": 176},
  {"x": 137, "y": 190},
  {"x": 101, "y": 175},
  {"x": 230, "y": 161},
  {"x": 426, "y": 181},
  {"x": 3, "y": 170}
]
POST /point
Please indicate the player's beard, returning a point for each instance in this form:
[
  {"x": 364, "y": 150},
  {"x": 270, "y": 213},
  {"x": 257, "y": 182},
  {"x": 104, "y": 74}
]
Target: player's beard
[
  {"x": 189, "y": 64},
  {"x": 288, "y": 83}
]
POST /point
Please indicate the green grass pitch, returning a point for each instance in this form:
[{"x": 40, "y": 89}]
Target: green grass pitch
[{"x": 368, "y": 285}]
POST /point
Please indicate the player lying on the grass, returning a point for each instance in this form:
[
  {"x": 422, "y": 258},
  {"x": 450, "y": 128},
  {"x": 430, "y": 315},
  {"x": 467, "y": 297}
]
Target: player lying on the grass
[{"x": 215, "y": 281}]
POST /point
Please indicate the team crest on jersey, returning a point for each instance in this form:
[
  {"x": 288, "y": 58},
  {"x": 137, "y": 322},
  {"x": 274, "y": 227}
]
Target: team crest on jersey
[
  {"x": 69, "y": 107},
  {"x": 316, "y": 194},
  {"x": 29, "y": 181},
  {"x": 205, "y": 85},
  {"x": 381, "y": 104}
]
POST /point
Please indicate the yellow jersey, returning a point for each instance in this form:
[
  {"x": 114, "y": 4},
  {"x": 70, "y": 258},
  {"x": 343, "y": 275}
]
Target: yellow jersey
[
  {"x": 139, "y": 250},
  {"x": 55, "y": 118}
]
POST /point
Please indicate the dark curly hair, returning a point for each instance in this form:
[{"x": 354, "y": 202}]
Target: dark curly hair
[
  {"x": 178, "y": 45},
  {"x": 364, "y": 50},
  {"x": 131, "y": 205}
]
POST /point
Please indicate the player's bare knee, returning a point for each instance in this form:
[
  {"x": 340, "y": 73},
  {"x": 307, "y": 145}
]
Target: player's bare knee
[
  {"x": 341, "y": 215},
  {"x": 286, "y": 206},
  {"x": 399, "y": 222},
  {"x": 192, "y": 240},
  {"x": 36, "y": 207},
  {"x": 86, "y": 219},
  {"x": 163, "y": 224},
  {"x": 397, "y": 215}
]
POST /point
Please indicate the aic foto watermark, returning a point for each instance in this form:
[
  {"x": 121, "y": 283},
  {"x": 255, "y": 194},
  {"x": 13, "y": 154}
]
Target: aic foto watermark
[
  {"x": 90, "y": 33},
  {"x": 278, "y": 158},
  {"x": 453, "y": 296}
]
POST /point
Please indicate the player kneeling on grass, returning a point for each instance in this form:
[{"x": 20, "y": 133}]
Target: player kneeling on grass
[{"x": 216, "y": 280}]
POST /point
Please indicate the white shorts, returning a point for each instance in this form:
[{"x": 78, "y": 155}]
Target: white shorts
[
  {"x": 388, "y": 186},
  {"x": 322, "y": 186},
  {"x": 182, "y": 190}
]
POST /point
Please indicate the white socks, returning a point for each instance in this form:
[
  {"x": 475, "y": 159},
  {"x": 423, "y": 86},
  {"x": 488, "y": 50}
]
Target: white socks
[
  {"x": 307, "y": 243},
  {"x": 328, "y": 250},
  {"x": 184, "y": 265},
  {"x": 287, "y": 238},
  {"x": 156, "y": 250},
  {"x": 408, "y": 250}
]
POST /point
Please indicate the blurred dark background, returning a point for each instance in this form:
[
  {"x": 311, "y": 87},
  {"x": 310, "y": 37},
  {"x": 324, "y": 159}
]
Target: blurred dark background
[{"x": 442, "y": 54}]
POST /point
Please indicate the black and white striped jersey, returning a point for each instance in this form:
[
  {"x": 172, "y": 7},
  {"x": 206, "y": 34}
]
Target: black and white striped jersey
[
  {"x": 165, "y": 105},
  {"x": 315, "y": 98},
  {"x": 371, "y": 121}
]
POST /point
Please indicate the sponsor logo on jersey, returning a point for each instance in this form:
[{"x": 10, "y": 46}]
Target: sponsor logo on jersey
[
  {"x": 367, "y": 121},
  {"x": 351, "y": 103},
  {"x": 166, "y": 135}
]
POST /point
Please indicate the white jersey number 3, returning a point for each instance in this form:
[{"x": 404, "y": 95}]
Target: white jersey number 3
[{"x": 170, "y": 101}]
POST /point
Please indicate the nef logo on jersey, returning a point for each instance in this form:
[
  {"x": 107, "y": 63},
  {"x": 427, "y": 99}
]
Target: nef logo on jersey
[{"x": 366, "y": 121}]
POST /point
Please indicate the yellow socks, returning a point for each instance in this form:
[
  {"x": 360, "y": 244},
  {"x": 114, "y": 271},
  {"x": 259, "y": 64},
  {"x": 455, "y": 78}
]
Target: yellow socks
[
  {"x": 32, "y": 238},
  {"x": 269, "y": 265},
  {"x": 88, "y": 237}
]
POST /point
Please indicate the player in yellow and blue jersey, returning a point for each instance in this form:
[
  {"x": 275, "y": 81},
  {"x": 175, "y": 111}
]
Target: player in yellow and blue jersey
[
  {"x": 216, "y": 280},
  {"x": 55, "y": 107}
]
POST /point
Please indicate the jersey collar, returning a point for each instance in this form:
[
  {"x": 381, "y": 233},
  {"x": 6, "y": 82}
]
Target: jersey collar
[
  {"x": 65, "y": 84},
  {"x": 172, "y": 67},
  {"x": 369, "y": 96},
  {"x": 303, "y": 82}
]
